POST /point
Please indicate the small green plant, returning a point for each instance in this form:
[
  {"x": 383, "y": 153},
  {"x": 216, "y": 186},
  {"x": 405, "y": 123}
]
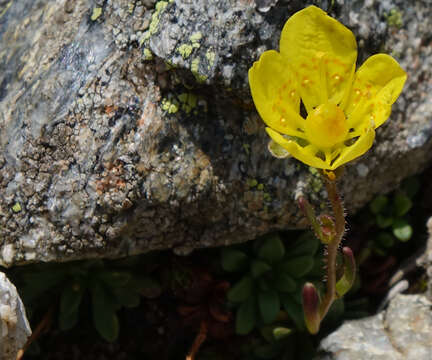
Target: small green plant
[
  {"x": 271, "y": 278},
  {"x": 390, "y": 215},
  {"x": 107, "y": 286}
]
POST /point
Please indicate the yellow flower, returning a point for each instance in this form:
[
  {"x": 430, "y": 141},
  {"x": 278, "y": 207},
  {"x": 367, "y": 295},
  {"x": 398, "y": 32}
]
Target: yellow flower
[{"x": 316, "y": 66}]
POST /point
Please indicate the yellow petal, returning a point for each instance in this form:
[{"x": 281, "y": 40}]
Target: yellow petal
[
  {"x": 362, "y": 144},
  {"x": 274, "y": 93},
  {"x": 377, "y": 85},
  {"x": 311, "y": 41},
  {"x": 297, "y": 151}
]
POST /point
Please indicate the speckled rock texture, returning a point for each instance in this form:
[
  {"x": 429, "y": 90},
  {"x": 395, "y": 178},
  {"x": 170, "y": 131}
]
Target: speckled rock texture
[
  {"x": 14, "y": 326},
  {"x": 426, "y": 259},
  {"x": 401, "y": 332},
  {"x": 127, "y": 126}
]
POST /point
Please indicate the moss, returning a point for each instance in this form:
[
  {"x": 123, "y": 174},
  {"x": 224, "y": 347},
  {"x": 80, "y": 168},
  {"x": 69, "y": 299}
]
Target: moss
[
  {"x": 185, "y": 50},
  {"x": 16, "y": 208},
  {"x": 394, "y": 18},
  {"x": 97, "y": 11},
  {"x": 260, "y": 187}
]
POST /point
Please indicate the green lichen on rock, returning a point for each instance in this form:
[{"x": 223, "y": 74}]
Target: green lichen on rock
[
  {"x": 394, "y": 18},
  {"x": 97, "y": 11},
  {"x": 252, "y": 182},
  {"x": 195, "y": 38},
  {"x": 195, "y": 71},
  {"x": 16, "y": 208},
  {"x": 153, "y": 27},
  {"x": 210, "y": 56},
  {"x": 171, "y": 106},
  {"x": 188, "y": 102},
  {"x": 147, "y": 54},
  {"x": 185, "y": 50}
]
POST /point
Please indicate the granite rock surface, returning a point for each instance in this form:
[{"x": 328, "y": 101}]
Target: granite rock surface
[
  {"x": 127, "y": 126},
  {"x": 402, "y": 332},
  {"x": 14, "y": 326}
]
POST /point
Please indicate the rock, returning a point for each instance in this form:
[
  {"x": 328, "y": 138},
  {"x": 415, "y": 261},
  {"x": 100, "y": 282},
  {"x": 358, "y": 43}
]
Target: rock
[
  {"x": 426, "y": 260},
  {"x": 14, "y": 328},
  {"x": 128, "y": 126},
  {"x": 403, "y": 331}
]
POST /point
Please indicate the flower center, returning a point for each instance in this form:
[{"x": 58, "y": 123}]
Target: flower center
[{"x": 326, "y": 126}]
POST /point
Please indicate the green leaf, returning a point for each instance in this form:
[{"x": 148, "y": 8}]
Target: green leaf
[
  {"x": 241, "y": 291},
  {"x": 402, "y": 230},
  {"x": 103, "y": 310},
  {"x": 306, "y": 244},
  {"x": 384, "y": 221},
  {"x": 280, "y": 332},
  {"x": 272, "y": 249},
  {"x": 265, "y": 284},
  {"x": 269, "y": 306},
  {"x": 233, "y": 260},
  {"x": 297, "y": 267},
  {"x": 70, "y": 301},
  {"x": 411, "y": 186},
  {"x": 294, "y": 310},
  {"x": 378, "y": 204},
  {"x": 285, "y": 283},
  {"x": 246, "y": 317},
  {"x": 259, "y": 267},
  {"x": 37, "y": 283},
  {"x": 114, "y": 278},
  {"x": 385, "y": 239},
  {"x": 401, "y": 204}
]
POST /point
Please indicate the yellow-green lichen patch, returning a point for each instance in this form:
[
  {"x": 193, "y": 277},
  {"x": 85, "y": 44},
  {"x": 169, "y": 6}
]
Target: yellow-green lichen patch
[
  {"x": 267, "y": 197},
  {"x": 131, "y": 7},
  {"x": 16, "y": 208},
  {"x": 260, "y": 187},
  {"x": 252, "y": 182},
  {"x": 188, "y": 102},
  {"x": 147, "y": 54},
  {"x": 246, "y": 148},
  {"x": 170, "y": 106},
  {"x": 97, "y": 11},
  {"x": 153, "y": 27},
  {"x": 210, "y": 55},
  {"x": 185, "y": 50},
  {"x": 195, "y": 38},
  {"x": 194, "y": 68},
  {"x": 394, "y": 18}
]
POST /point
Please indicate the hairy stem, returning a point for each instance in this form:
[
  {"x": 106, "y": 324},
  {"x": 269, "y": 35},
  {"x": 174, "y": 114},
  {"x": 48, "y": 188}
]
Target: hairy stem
[{"x": 332, "y": 248}]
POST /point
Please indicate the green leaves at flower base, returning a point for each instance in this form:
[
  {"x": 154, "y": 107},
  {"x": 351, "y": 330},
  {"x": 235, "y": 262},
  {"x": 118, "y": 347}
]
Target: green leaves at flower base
[
  {"x": 104, "y": 313},
  {"x": 241, "y": 291},
  {"x": 269, "y": 305},
  {"x": 402, "y": 230},
  {"x": 246, "y": 317},
  {"x": 70, "y": 301}
]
